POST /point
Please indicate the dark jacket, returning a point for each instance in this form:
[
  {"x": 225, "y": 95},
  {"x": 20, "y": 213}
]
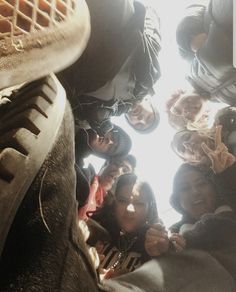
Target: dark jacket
[
  {"x": 227, "y": 118},
  {"x": 225, "y": 184},
  {"x": 216, "y": 232},
  {"x": 212, "y": 72},
  {"x": 113, "y": 23}
]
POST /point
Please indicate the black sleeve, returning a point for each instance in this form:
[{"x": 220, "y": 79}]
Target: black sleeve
[
  {"x": 222, "y": 13},
  {"x": 212, "y": 231},
  {"x": 147, "y": 68},
  {"x": 226, "y": 180},
  {"x": 96, "y": 112}
]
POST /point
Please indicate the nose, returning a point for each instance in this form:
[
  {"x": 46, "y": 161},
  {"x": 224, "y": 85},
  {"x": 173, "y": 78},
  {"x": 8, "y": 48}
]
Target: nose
[
  {"x": 130, "y": 208},
  {"x": 175, "y": 111},
  {"x": 188, "y": 145},
  {"x": 108, "y": 141}
]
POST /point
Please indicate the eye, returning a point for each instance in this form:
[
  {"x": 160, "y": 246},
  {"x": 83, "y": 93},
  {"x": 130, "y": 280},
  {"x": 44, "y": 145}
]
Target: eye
[
  {"x": 139, "y": 204},
  {"x": 183, "y": 189},
  {"x": 122, "y": 201}
]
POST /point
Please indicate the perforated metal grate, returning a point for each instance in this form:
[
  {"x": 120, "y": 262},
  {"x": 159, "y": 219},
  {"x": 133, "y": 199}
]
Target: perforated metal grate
[{"x": 19, "y": 17}]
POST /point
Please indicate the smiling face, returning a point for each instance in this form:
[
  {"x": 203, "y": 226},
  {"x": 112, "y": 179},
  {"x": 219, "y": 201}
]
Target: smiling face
[
  {"x": 103, "y": 145},
  {"x": 141, "y": 116},
  {"x": 197, "y": 195},
  {"x": 131, "y": 208},
  {"x": 189, "y": 106},
  {"x": 187, "y": 144}
]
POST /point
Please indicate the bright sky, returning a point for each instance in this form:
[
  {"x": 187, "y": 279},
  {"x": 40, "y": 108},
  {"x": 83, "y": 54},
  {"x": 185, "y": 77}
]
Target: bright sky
[{"x": 156, "y": 162}]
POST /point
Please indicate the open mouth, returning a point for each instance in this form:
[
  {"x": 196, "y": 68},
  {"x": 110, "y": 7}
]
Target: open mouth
[{"x": 197, "y": 202}]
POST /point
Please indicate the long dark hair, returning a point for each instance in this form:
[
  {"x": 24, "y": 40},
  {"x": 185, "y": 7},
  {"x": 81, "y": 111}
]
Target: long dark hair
[
  {"x": 185, "y": 167},
  {"x": 105, "y": 216}
]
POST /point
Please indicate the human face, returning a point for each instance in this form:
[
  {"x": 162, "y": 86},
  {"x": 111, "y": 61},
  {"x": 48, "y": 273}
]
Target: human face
[
  {"x": 131, "y": 208},
  {"x": 198, "y": 41},
  {"x": 196, "y": 194},
  {"x": 112, "y": 171},
  {"x": 188, "y": 147},
  {"x": 141, "y": 116},
  {"x": 103, "y": 145},
  {"x": 189, "y": 106}
]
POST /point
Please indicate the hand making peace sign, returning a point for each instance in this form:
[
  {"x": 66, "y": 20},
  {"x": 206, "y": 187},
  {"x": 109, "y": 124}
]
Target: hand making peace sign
[{"x": 220, "y": 157}]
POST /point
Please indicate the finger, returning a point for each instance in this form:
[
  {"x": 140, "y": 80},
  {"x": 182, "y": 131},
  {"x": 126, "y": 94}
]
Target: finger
[
  {"x": 206, "y": 149},
  {"x": 156, "y": 239},
  {"x": 223, "y": 158},
  {"x": 230, "y": 160},
  {"x": 158, "y": 226},
  {"x": 156, "y": 236},
  {"x": 155, "y": 232},
  {"x": 178, "y": 247},
  {"x": 218, "y": 135},
  {"x": 109, "y": 274},
  {"x": 221, "y": 148},
  {"x": 178, "y": 239}
]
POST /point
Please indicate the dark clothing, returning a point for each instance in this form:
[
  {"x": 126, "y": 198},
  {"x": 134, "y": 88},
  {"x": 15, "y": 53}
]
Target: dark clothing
[
  {"x": 113, "y": 23},
  {"x": 212, "y": 72},
  {"x": 98, "y": 113},
  {"x": 213, "y": 232},
  {"x": 45, "y": 248},
  {"x": 216, "y": 232},
  {"x": 227, "y": 118},
  {"x": 188, "y": 271},
  {"x": 226, "y": 183}
]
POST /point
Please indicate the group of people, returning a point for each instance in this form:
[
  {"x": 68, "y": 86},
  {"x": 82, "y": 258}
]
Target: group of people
[{"x": 66, "y": 227}]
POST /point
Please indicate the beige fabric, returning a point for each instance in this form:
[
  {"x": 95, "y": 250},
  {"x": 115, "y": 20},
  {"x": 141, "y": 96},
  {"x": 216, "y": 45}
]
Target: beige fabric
[{"x": 38, "y": 37}]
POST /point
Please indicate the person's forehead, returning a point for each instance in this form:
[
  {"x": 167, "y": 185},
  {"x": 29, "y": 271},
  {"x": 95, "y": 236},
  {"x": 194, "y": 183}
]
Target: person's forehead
[
  {"x": 147, "y": 122},
  {"x": 186, "y": 98},
  {"x": 189, "y": 176}
]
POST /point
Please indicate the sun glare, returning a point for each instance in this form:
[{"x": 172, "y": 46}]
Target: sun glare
[{"x": 156, "y": 162}]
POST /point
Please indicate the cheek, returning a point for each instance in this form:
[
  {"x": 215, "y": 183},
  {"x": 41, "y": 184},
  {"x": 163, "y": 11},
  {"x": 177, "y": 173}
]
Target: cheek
[
  {"x": 133, "y": 120},
  {"x": 119, "y": 210},
  {"x": 141, "y": 214},
  {"x": 184, "y": 201}
]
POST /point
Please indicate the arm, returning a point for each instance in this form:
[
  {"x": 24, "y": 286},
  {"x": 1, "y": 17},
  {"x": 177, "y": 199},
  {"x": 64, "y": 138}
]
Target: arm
[
  {"x": 97, "y": 113},
  {"x": 147, "y": 69},
  {"x": 212, "y": 231}
]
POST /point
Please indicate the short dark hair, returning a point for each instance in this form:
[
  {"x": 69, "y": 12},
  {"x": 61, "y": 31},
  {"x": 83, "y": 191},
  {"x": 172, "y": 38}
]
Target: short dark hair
[
  {"x": 185, "y": 167},
  {"x": 191, "y": 25},
  {"x": 132, "y": 179},
  {"x": 154, "y": 124},
  {"x": 124, "y": 143}
]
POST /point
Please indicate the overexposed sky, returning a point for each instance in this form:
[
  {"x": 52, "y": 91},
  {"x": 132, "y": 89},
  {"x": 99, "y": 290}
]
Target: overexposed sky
[{"x": 156, "y": 162}]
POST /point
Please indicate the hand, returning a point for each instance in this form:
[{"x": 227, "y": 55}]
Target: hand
[
  {"x": 105, "y": 274},
  {"x": 156, "y": 241},
  {"x": 99, "y": 247},
  {"x": 220, "y": 157},
  {"x": 178, "y": 241}
]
